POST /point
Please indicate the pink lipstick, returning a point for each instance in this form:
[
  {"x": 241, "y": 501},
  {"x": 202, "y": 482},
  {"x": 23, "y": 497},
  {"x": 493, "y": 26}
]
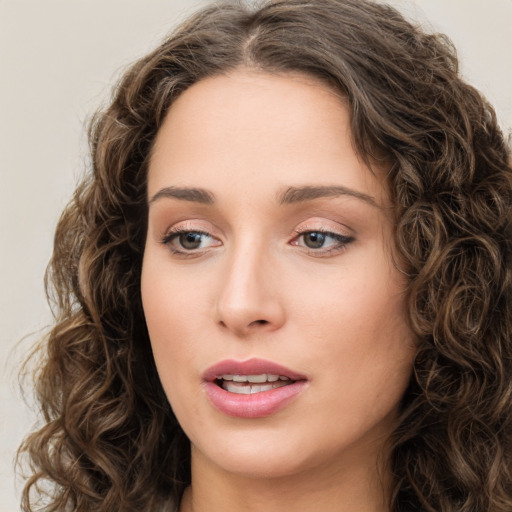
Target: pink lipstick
[{"x": 251, "y": 389}]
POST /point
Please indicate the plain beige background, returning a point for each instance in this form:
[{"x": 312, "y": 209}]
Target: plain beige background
[{"x": 58, "y": 61}]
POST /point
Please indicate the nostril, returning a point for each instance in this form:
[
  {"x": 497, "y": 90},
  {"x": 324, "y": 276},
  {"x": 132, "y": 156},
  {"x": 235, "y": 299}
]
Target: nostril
[{"x": 260, "y": 322}]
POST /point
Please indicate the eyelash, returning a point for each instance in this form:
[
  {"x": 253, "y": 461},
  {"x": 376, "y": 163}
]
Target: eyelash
[
  {"x": 176, "y": 233},
  {"x": 341, "y": 241}
]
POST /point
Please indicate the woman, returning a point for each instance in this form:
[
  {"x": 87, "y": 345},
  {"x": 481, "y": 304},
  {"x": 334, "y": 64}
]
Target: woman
[{"x": 286, "y": 283}]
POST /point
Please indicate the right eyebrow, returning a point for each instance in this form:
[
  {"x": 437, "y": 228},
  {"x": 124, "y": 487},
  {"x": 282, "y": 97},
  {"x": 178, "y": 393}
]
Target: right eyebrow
[{"x": 196, "y": 195}]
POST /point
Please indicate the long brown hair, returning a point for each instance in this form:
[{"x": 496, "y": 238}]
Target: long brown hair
[{"x": 110, "y": 440}]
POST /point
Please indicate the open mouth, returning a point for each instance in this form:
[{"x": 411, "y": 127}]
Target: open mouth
[
  {"x": 254, "y": 388},
  {"x": 250, "y": 384}
]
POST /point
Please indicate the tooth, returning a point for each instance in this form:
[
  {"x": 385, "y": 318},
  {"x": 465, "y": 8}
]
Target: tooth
[
  {"x": 235, "y": 387},
  {"x": 283, "y": 378},
  {"x": 257, "y": 378},
  {"x": 243, "y": 388},
  {"x": 227, "y": 377},
  {"x": 240, "y": 378},
  {"x": 272, "y": 378}
]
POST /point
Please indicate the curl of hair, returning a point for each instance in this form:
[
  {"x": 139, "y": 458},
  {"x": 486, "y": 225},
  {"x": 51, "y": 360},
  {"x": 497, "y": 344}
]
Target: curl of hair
[{"x": 110, "y": 440}]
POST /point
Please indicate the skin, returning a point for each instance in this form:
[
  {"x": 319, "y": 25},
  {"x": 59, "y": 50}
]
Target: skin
[{"x": 254, "y": 287}]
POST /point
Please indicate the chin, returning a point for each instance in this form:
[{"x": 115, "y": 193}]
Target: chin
[
  {"x": 271, "y": 451},
  {"x": 259, "y": 460}
]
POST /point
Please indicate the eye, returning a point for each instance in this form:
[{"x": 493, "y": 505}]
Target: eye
[
  {"x": 320, "y": 242},
  {"x": 315, "y": 239},
  {"x": 189, "y": 241}
]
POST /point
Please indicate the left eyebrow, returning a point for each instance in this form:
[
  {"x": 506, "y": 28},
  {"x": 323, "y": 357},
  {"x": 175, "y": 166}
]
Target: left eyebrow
[{"x": 308, "y": 193}]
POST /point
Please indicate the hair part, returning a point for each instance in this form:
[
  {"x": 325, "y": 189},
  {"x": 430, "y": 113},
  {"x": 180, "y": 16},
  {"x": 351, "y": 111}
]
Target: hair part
[{"x": 110, "y": 440}]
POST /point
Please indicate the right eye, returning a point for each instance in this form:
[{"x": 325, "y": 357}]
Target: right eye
[{"x": 189, "y": 241}]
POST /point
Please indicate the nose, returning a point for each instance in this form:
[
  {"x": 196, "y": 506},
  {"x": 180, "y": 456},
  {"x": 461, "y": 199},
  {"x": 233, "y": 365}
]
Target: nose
[{"x": 249, "y": 301}]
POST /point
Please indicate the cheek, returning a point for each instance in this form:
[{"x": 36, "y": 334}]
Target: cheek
[
  {"x": 360, "y": 300},
  {"x": 364, "y": 334},
  {"x": 168, "y": 323},
  {"x": 359, "y": 329},
  {"x": 170, "y": 309}
]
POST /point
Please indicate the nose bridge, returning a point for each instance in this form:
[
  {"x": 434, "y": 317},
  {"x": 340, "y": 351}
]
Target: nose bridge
[{"x": 248, "y": 299}]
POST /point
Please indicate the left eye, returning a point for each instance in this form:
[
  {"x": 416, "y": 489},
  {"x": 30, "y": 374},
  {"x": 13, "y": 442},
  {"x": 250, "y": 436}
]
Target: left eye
[
  {"x": 322, "y": 240},
  {"x": 314, "y": 239}
]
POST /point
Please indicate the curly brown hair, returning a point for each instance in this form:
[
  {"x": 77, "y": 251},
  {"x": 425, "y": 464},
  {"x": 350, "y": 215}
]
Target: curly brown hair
[{"x": 110, "y": 440}]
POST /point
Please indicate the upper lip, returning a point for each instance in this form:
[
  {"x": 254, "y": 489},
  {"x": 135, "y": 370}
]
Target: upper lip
[{"x": 249, "y": 367}]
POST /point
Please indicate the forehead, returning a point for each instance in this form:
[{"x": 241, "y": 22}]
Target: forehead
[{"x": 248, "y": 128}]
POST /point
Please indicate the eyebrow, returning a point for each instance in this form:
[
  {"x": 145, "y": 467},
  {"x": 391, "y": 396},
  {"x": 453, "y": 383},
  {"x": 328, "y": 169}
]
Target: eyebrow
[
  {"x": 307, "y": 193},
  {"x": 291, "y": 195},
  {"x": 195, "y": 195}
]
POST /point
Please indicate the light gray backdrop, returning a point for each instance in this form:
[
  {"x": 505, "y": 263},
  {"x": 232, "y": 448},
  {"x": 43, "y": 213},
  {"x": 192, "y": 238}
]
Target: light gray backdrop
[{"x": 58, "y": 60}]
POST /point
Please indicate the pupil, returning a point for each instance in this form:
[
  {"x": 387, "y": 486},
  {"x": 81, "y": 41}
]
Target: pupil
[
  {"x": 314, "y": 240},
  {"x": 190, "y": 240}
]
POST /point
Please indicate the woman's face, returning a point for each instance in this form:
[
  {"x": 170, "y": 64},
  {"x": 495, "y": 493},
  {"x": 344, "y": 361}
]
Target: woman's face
[{"x": 275, "y": 313}]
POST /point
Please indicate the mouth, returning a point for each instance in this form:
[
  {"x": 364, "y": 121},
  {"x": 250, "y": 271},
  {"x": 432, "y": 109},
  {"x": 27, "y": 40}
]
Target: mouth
[
  {"x": 250, "y": 384},
  {"x": 252, "y": 389}
]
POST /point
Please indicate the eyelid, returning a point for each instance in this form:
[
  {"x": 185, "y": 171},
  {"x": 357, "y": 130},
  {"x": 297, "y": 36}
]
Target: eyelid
[
  {"x": 343, "y": 237},
  {"x": 189, "y": 226},
  {"x": 341, "y": 242},
  {"x": 324, "y": 225},
  {"x": 172, "y": 234},
  {"x": 197, "y": 225}
]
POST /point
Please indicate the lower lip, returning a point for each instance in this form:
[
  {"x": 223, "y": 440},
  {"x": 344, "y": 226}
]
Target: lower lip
[{"x": 257, "y": 405}]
